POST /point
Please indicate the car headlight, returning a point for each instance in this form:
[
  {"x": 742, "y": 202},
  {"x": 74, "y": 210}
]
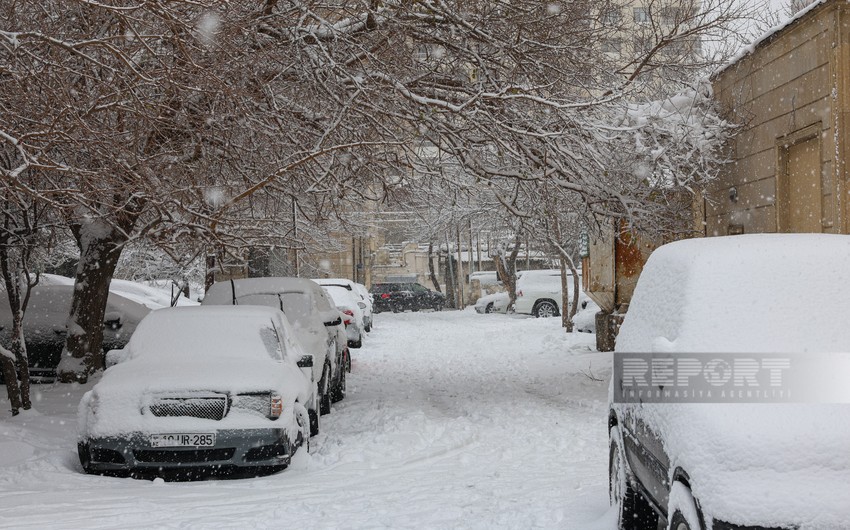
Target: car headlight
[{"x": 267, "y": 404}]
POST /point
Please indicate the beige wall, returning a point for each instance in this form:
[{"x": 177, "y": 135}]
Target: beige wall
[{"x": 783, "y": 94}]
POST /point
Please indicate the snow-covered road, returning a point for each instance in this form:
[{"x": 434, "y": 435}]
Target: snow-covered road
[{"x": 452, "y": 420}]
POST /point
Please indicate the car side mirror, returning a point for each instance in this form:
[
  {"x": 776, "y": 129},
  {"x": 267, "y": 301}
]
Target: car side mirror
[
  {"x": 332, "y": 323},
  {"x": 114, "y": 357},
  {"x": 306, "y": 361}
]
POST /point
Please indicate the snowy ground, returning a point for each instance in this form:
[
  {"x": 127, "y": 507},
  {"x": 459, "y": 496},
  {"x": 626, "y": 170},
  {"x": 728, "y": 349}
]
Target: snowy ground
[{"x": 452, "y": 420}]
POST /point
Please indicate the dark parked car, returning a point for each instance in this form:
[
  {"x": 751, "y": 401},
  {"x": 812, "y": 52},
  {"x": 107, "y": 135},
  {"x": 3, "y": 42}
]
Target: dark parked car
[
  {"x": 45, "y": 325},
  {"x": 397, "y": 297},
  {"x": 695, "y": 448}
]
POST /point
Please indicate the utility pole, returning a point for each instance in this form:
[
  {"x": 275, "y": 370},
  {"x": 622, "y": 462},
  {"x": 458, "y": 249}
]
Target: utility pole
[
  {"x": 459, "y": 271},
  {"x": 471, "y": 259},
  {"x": 295, "y": 236}
]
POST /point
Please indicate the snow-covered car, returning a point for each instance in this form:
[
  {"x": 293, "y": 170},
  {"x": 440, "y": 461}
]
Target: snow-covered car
[
  {"x": 365, "y": 298},
  {"x": 217, "y": 388},
  {"x": 346, "y": 302},
  {"x": 403, "y": 296},
  {"x": 485, "y": 278},
  {"x": 46, "y": 325},
  {"x": 727, "y": 464},
  {"x": 584, "y": 320},
  {"x": 152, "y": 297},
  {"x": 538, "y": 293},
  {"x": 312, "y": 315},
  {"x": 493, "y": 303}
]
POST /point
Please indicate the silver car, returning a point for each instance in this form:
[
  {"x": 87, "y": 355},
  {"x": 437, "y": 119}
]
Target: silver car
[{"x": 199, "y": 388}]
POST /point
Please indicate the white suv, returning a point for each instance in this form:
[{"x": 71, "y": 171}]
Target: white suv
[{"x": 538, "y": 293}]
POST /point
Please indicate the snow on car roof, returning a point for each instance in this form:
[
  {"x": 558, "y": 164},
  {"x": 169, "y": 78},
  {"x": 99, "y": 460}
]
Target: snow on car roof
[
  {"x": 201, "y": 333},
  {"x": 745, "y": 293}
]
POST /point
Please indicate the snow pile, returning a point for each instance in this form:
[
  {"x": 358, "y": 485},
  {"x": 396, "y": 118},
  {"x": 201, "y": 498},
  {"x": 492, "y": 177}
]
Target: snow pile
[{"x": 765, "y": 464}]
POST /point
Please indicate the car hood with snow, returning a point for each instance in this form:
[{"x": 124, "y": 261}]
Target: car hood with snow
[{"x": 758, "y": 463}]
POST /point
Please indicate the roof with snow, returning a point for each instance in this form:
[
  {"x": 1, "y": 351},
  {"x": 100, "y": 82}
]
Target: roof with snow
[{"x": 771, "y": 34}]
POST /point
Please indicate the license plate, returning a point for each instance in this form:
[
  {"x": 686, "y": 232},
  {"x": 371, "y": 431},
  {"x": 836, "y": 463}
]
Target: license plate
[{"x": 183, "y": 440}]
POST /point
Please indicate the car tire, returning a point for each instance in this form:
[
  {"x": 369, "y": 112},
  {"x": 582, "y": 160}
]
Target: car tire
[
  {"x": 356, "y": 343},
  {"x": 315, "y": 421},
  {"x": 338, "y": 391},
  {"x": 325, "y": 391},
  {"x": 634, "y": 511},
  {"x": 368, "y": 328},
  {"x": 489, "y": 308},
  {"x": 85, "y": 457},
  {"x": 685, "y": 514},
  {"x": 545, "y": 309}
]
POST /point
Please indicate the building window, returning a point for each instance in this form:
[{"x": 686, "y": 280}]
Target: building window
[
  {"x": 611, "y": 46},
  {"x": 671, "y": 15},
  {"x": 641, "y": 15},
  {"x": 612, "y": 17}
]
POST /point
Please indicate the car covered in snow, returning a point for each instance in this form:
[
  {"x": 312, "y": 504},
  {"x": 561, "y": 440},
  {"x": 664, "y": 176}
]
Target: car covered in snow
[
  {"x": 348, "y": 303},
  {"x": 315, "y": 320},
  {"x": 724, "y": 463},
  {"x": 46, "y": 325},
  {"x": 404, "y": 296},
  {"x": 538, "y": 293},
  {"x": 493, "y": 303},
  {"x": 585, "y": 318},
  {"x": 360, "y": 291},
  {"x": 222, "y": 388}
]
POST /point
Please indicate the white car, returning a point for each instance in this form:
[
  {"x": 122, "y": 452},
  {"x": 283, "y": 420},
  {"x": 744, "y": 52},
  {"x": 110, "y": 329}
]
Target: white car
[
  {"x": 493, "y": 303},
  {"x": 699, "y": 434},
  {"x": 347, "y": 302},
  {"x": 486, "y": 278},
  {"x": 200, "y": 388},
  {"x": 538, "y": 293},
  {"x": 313, "y": 316},
  {"x": 360, "y": 290}
]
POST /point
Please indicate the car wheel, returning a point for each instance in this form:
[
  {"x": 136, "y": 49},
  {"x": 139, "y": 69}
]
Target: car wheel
[
  {"x": 338, "y": 391},
  {"x": 368, "y": 328},
  {"x": 315, "y": 421},
  {"x": 545, "y": 309},
  {"x": 683, "y": 507},
  {"x": 85, "y": 457},
  {"x": 324, "y": 391},
  {"x": 489, "y": 308},
  {"x": 302, "y": 418},
  {"x": 633, "y": 511}
]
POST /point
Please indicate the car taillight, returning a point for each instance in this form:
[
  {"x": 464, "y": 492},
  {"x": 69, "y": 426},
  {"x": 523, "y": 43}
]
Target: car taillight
[
  {"x": 347, "y": 321},
  {"x": 349, "y": 312},
  {"x": 276, "y": 408},
  {"x": 519, "y": 293},
  {"x": 384, "y": 296}
]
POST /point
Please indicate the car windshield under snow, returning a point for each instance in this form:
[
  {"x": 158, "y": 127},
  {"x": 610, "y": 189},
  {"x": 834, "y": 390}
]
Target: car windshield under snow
[{"x": 202, "y": 339}]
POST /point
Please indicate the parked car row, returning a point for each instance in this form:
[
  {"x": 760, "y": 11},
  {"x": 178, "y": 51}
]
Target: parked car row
[
  {"x": 405, "y": 296},
  {"x": 540, "y": 294},
  {"x": 239, "y": 383}
]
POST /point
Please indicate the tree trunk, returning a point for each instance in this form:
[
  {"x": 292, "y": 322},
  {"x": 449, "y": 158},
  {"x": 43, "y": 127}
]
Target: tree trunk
[
  {"x": 7, "y": 365},
  {"x": 506, "y": 267},
  {"x": 17, "y": 353},
  {"x": 431, "y": 271},
  {"x": 100, "y": 248},
  {"x": 568, "y": 312}
]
